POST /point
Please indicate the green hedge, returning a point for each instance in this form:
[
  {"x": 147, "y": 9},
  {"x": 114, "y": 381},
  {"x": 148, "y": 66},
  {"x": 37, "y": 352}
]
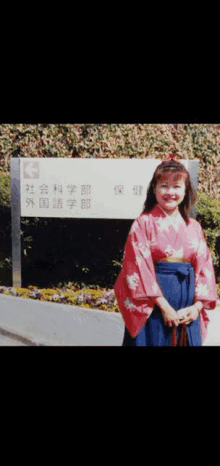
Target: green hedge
[
  {"x": 209, "y": 218},
  {"x": 5, "y": 229},
  {"x": 87, "y": 251},
  {"x": 5, "y": 191}
]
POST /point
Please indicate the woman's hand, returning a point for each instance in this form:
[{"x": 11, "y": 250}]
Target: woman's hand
[
  {"x": 170, "y": 317},
  {"x": 188, "y": 314}
]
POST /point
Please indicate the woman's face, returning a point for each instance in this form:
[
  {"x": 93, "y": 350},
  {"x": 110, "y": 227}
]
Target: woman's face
[{"x": 170, "y": 192}]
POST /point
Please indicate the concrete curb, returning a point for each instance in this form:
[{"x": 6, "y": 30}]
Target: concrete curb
[{"x": 37, "y": 323}]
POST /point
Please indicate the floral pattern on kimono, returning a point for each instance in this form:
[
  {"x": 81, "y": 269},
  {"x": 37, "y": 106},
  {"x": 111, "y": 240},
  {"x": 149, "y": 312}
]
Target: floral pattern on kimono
[{"x": 154, "y": 236}]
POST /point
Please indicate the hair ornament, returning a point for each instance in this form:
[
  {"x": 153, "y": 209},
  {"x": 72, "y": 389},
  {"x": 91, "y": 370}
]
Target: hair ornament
[{"x": 170, "y": 157}]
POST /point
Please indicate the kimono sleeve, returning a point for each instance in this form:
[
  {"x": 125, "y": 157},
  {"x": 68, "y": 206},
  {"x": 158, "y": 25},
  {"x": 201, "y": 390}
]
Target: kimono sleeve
[
  {"x": 138, "y": 266},
  {"x": 205, "y": 283},
  {"x": 136, "y": 283}
]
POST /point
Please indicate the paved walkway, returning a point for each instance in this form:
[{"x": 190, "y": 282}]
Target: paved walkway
[
  {"x": 42, "y": 323},
  {"x": 213, "y": 335},
  {"x": 55, "y": 324}
]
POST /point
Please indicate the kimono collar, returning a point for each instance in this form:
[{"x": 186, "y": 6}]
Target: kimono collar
[
  {"x": 174, "y": 222},
  {"x": 171, "y": 218}
]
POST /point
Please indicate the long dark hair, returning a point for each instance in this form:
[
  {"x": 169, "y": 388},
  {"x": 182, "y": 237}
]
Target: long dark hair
[{"x": 172, "y": 166}]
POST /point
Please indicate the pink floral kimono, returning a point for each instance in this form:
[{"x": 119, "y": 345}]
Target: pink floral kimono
[{"x": 154, "y": 237}]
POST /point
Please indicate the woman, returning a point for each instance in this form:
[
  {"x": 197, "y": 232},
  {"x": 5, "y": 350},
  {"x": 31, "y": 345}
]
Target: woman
[{"x": 167, "y": 279}]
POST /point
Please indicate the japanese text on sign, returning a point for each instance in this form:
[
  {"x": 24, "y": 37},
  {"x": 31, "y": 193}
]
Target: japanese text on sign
[{"x": 57, "y": 203}]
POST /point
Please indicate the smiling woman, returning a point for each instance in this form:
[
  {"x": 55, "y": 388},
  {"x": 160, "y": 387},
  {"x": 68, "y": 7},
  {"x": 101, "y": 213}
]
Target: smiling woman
[{"x": 163, "y": 267}]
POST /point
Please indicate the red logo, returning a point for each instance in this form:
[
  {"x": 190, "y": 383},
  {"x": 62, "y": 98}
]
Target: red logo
[{"x": 31, "y": 169}]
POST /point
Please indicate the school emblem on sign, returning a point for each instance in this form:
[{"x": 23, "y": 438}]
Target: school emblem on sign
[{"x": 31, "y": 169}]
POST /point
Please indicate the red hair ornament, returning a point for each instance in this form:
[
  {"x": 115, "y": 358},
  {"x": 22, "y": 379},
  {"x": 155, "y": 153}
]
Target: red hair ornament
[{"x": 170, "y": 157}]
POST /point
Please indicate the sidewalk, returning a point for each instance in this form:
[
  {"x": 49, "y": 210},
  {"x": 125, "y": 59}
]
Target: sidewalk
[
  {"x": 37, "y": 323},
  {"x": 213, "y": 335},
  {"x": 53, "y": 324}
]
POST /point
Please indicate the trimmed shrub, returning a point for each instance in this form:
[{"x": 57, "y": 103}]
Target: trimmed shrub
[{"x": 209, "y": 218}]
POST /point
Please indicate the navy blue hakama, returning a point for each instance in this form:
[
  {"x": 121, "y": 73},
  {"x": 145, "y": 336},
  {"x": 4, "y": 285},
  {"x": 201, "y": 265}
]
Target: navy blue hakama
[{"x": 176, "y": 281}]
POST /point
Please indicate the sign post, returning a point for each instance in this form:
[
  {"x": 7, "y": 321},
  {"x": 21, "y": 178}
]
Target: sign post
[
  {"x": 79, "y": 188},
  {"x": 16, "y": 221}
]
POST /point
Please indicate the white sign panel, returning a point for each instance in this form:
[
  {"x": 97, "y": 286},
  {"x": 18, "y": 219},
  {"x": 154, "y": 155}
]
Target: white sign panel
[{"x": 85, "y": 188}]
